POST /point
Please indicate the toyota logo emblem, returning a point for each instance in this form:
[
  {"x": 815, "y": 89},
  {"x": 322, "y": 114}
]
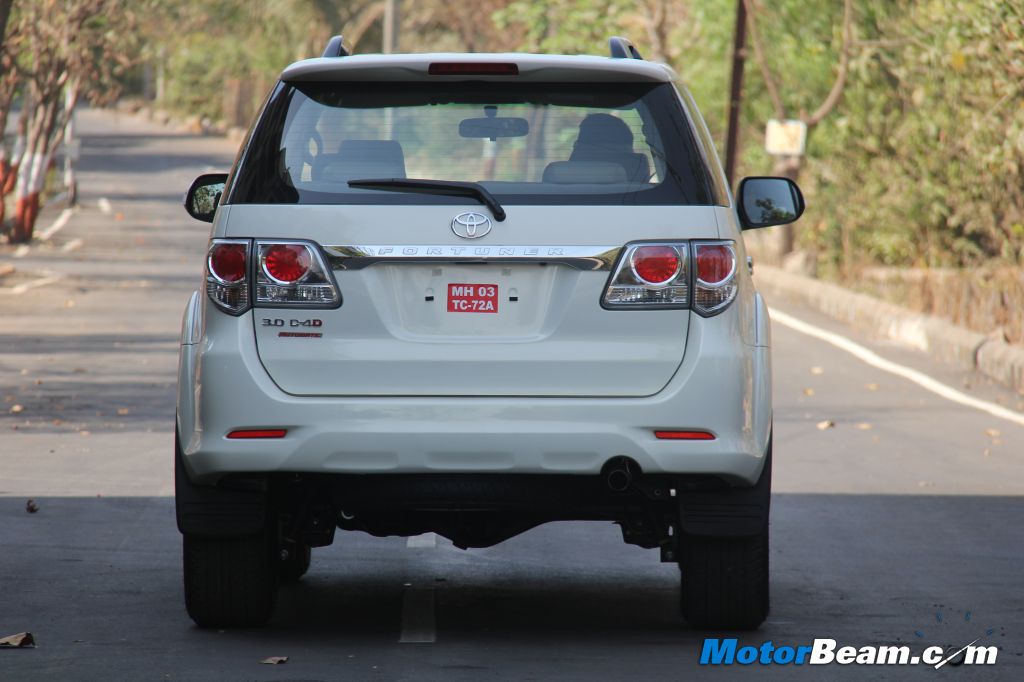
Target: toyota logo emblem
[{"x": 471, "y": 225}]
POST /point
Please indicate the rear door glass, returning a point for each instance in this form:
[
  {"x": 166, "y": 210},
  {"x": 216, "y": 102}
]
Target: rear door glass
[{"x": 552, "y": 143}]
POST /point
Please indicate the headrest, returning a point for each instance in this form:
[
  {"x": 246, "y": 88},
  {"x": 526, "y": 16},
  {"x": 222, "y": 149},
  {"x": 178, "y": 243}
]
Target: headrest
[{"x": 580, "y": 172}]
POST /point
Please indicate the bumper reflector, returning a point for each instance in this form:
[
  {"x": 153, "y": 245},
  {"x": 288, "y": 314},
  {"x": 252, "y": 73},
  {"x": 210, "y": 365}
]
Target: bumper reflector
[
  {"x": 258, "y": 433},
  {"x": 683, "y": 435}
]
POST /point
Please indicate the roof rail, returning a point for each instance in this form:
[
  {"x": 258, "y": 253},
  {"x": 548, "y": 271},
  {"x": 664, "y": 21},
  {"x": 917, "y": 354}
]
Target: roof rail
[
  {"x": 621, "y": 48},
  {"x": 335, "y": 48}
]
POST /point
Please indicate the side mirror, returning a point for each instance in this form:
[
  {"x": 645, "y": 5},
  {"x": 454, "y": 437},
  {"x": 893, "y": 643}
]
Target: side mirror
[
  {"x": 203, "y": 196},
  {"x": 764, "y": 202}
]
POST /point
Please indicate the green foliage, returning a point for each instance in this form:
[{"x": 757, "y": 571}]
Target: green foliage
[{"x": 921, "y": 163}]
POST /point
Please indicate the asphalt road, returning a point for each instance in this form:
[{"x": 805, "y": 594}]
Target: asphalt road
[{"x": 899, "y": 524}]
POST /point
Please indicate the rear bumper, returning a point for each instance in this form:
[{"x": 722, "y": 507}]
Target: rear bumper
[{"x": 722, "y": 386}]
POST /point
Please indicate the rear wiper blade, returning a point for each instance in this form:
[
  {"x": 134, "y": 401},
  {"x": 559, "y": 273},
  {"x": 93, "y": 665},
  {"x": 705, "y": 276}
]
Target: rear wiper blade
[{"x": 446, "y": 187}]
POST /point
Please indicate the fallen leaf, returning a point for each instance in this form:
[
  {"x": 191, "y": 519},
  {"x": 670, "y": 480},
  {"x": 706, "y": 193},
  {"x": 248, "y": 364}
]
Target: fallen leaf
[
  {"x": 69, "y": 303},
  {"x": 31, "y": 507},
  {"x": 817, "y": 370},
  {"x": 17, "y": 409},
  {"x": 275, "y": 660},
  {"x": 119, "y": 216},
  {"x": 83, "y": 433},
  {"x": 21, "y": 640},
  {"x": 122, "y": 411},
  {"x": 865, "y": 426},
  {"x": 992, "y": 433},
  {"x": 57, "y": 422},
  {"x": 825, "y": 425},
  {"x": 808, "y": 391},
  {"x": 986, "y": 453},
  {"x": 871, "y": 387},
  {"x": 39, "y": 382}
]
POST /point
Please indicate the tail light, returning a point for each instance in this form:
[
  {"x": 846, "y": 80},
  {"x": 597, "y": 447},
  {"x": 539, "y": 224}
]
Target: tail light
[
  {"x": 658, "y": 275},
  {"x": 227, "y": 274},
  {"x": 293, "y": 274},
  {"x": 715, "y": 287},
  {"x": 650, "y": 276},
  {"x": 287, "y": 273}
]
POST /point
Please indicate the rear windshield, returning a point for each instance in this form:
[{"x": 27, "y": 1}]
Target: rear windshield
[{"x": 526, "y": 143}]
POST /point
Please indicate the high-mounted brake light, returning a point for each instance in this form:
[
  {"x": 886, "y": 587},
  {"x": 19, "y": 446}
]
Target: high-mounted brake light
[
  {"x": 227, "y": 274},
  {"x": 472, "y": 69}
]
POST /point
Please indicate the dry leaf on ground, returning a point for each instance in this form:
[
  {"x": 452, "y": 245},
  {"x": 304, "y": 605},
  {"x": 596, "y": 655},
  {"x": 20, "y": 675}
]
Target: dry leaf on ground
[
  {"x": 275, "y": 660},
  {"x": 808, "y": 391},
  {"x": 21, "y": 640},
  {"x": 31, "y": 507},
  {"x": 817, "y": 370},
  {"x": 17, "y": 409},
  {"x": 992, "y": 433},
  {"x": 827, "y": 424}
]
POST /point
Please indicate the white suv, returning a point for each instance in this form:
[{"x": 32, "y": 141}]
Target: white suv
[{"x": 470, "y": 294}]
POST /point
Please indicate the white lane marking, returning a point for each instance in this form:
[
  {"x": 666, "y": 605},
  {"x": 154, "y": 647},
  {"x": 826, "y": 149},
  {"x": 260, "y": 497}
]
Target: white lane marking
[
  {"x": 418, "y": 625},
  {"x": 71, "y": 245},
  {"x": 57, "y": 225},
  {"x": 873, "y": 359},
  {"x": 105, "y": 207},
  {"x": 22, "y": 288},
  {"x": 419, "y": 541}
]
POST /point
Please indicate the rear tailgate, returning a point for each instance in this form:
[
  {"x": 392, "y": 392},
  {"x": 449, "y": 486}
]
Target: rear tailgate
[{"x": 513, "y": 313}]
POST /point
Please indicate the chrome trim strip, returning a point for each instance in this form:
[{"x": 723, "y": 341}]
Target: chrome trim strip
[{"x": 357, "y": 257}]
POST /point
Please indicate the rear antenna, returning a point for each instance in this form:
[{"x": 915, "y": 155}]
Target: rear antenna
[
  {"x": 621, "y": 48},
  {"x": 335, "y": 48}
]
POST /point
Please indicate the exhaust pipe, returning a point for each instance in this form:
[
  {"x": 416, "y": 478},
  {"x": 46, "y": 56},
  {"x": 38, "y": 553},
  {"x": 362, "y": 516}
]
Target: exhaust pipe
[{"x": 619, "y": 475}]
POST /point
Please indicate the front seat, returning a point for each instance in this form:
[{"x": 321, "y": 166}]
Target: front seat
[
  {"x": 605, "y": 138},
  {"x": 361, "y": 160}
]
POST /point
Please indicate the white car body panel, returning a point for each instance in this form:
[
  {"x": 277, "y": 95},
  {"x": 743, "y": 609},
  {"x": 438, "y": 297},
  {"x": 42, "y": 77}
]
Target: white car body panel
[
  {"x": 555, "y": 339},
  {"x": 723, "y": 386},
  {"x": 684, "y": 372}
]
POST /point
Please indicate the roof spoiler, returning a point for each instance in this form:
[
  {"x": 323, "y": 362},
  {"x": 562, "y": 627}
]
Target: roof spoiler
[
  {"x": 621, "y": 48},
  {"x": 335, "y": 48}
]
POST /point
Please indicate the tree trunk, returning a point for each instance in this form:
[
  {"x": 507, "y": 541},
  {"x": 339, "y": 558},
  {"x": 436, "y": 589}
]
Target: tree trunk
[
  {"x": 32, "y": 170},
  {"x": 786, "y": 167}
]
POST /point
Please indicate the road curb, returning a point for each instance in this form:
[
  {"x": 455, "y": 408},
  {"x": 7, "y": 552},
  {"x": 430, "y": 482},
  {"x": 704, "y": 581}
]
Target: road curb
[{"x": 939, "y": 338}]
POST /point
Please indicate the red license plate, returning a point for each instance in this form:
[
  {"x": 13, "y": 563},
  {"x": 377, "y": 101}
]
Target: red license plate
[{"x": 472, "y": 298}]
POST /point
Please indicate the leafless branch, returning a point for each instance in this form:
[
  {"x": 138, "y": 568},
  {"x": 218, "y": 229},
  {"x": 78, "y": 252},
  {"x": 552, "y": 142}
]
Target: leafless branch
[
  {"x": 770, "y": 81},
  {"x": 836, "y": 93}
]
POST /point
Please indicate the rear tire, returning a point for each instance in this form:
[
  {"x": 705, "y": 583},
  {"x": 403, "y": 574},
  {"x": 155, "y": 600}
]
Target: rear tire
[
  {"x": 230, "y": 581},
  {"x": 725, "y": 581}
]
